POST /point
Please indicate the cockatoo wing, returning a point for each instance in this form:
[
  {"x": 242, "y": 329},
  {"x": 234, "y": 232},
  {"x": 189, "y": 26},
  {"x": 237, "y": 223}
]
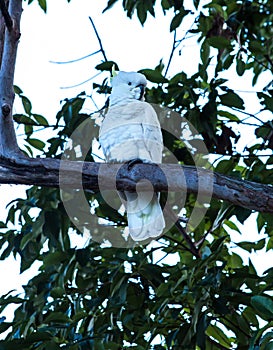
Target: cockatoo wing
[{"x": 133, "y": 127}]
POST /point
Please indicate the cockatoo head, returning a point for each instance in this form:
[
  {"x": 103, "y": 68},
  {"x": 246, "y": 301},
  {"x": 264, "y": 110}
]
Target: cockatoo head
[{"x": 127, "y": 87}]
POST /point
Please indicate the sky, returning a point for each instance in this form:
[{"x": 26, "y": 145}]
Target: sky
[{"x": 64, "y": 34}]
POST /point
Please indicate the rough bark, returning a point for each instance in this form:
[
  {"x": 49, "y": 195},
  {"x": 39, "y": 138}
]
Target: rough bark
[
  {"x": 167, "y": 177},
  {"x": 8, "y": 42}
]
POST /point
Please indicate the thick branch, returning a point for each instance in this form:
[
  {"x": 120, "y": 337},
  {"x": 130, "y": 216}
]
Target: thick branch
[
  {"x": 8, "y": 142},
  {"x": 167, "y": 177},
  {"x": 2, "y": 36},
  {"x": 5, "y": 14}
]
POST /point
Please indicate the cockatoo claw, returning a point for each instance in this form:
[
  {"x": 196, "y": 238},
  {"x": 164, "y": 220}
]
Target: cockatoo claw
[{"x": 132, "y": 162}]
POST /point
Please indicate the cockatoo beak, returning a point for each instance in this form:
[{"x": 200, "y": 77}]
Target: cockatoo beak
[
  {"x": 142, "y": 90},
  {"x": 114, "y": 73}
]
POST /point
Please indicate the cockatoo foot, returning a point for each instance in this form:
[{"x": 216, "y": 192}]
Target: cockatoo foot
[{"x": 133, "y": 162}]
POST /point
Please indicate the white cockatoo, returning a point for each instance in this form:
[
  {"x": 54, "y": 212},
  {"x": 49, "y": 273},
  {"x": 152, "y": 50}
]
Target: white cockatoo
[{"x": 131, "y": 131}]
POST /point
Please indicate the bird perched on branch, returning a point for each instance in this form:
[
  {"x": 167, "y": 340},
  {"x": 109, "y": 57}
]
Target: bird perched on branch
[{"x": 131, "y": 133}]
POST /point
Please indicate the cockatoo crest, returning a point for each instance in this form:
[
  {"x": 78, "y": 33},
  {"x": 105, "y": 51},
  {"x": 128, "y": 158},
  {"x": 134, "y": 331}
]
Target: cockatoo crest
[{"x": 127, "y": 87}]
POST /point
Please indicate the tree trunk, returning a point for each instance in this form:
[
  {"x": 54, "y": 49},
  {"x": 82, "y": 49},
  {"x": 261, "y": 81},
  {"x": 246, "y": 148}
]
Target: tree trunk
[{"x": 8, "y": 47}]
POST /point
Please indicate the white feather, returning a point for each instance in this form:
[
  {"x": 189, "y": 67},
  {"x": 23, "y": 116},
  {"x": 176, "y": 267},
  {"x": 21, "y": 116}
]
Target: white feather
[{"x": 131, "y": 130}]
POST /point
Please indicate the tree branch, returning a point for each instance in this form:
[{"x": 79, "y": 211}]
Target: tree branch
[
  {"x": 95, "y": 176},
  {"x": 171, "y": 55},
  {"x": 6, "y": 15},
  {"x": 76, "y": 59},
  {"x": 99, "y": 39},
  {"x": 192, "y": 248},
  {"x": 2, "y": 36},
  {"x": 8, "y": 142}
]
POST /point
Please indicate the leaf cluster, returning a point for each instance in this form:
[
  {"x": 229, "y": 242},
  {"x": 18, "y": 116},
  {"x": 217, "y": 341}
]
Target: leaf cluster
[{"x": 164, "y": 296}]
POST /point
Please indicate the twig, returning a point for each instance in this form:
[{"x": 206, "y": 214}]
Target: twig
[
  {"x": 248, "y": 52},
  {"x": 94, "y": 103},
  {"x": 186, "y": 237},
  {"x": 176, "y": 43},
  {"x": 6, "y": 15},
  {"x": 99, "y": 39},
  {"x": 171, "y": 55},
  {"x": 179, "y": 244},
  {"x": 250, "y": 115},
  {"x": 241, "y": 122},
  {"x": 77, "y": 59},
  {"x": 43, "y": 126},
  {"x": 83, "y": 82}
]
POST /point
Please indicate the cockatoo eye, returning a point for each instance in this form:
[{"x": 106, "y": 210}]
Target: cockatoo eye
[{"x": 129, "y": 83}]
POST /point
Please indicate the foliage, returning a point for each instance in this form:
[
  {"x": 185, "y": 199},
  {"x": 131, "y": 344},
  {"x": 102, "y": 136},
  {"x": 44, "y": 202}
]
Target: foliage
[
  {"x": 101, "y": 297},
  {"x": 41, "y": 3}
]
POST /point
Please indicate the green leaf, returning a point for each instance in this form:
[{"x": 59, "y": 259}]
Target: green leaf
[
  {"x": 178, "y": 18},
  {"x": 4, "y": 326},
  {"x": 40, "y": 119},
  {"x": 229, "y": 116},
  {"x": 269, "y": 346},
  {"x": 231, "y": 99},
  {"x": 28, "y": 129},
  {"x": 205, "y": 52},
  {"x": 23, "y": 119},
  {"x": 42, "y": 4},
  {"x": 83, "y": 256},
  {"x": 38, "y": 144},
  {"x": 269, "y": 245},
  {"x": 240, "y": 66},
  {"x": 217, "y": 333},
  {"x": 54, "y": 258},
  {"x": 17, "y": 90},
  {"x": 107, "y": 66},
  {"x": 250, "y": 246},
  {"x": 57, "y": 292},
  {"x": 242, "y": 214},
  {"x": 11, "y": 300},
  {"x": 264, "y": 131},
  {"x": 165, "y": 4},
  {"x": 113, "y": 346},
  {"x": 219, "y": 42},
  {"x": 202, "y": 325},
  {"x": 232, "y": 225},
  {"x": 263, "y": 306},
  {"x": 154, "y": 76},
  {"x": 141, "y": 12},
  {"x": 2, "y": 225},
  {"x": 51, "y": 227},
  {"x": 217, "y": 244},
  {"x": 109, "y": 5},
  {"x": 26, "y": 104},
  {"x": 57, "y": 317},
  {"x": 39, "y": 336},
  {"x": 267, "y": 100},
  {"x": 256, "y": 47},
  {"x": 235, "y": 261}
]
